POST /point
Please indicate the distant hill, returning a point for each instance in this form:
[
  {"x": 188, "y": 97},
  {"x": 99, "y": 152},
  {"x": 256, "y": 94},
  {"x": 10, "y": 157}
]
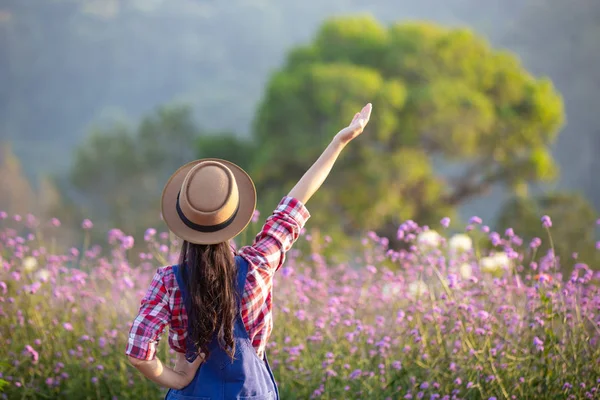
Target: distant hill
[{"x": 67, "y": 64}]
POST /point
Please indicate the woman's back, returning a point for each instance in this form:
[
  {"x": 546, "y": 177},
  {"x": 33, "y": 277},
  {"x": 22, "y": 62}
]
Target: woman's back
[{"x": 246, "y": 377}]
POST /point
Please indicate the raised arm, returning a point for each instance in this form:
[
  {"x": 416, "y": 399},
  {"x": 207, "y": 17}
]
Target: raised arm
[{"x": 312, "y": 180}]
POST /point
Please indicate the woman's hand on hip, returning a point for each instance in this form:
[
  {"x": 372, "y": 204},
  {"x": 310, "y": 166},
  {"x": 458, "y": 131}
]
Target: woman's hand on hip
[
  {"x": 356, "y": 127},
  {"x": 186, "y": 370}
]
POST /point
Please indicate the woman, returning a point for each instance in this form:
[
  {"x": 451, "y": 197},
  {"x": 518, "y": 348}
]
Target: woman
[{"x": 218, "y": 306}]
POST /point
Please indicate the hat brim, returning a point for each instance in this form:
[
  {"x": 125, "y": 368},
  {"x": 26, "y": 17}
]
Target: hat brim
[{"x": 247, "y": 193}]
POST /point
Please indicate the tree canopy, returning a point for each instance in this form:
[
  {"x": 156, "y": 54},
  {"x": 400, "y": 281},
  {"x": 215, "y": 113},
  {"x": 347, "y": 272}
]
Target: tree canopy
[{"x": 452, "y": 117}]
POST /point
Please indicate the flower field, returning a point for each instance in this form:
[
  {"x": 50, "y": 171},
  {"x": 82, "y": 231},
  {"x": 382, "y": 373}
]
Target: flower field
[{"x": 442, "y": 319}]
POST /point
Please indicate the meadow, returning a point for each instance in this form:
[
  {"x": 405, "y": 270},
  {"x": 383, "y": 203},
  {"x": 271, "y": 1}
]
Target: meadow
[{"x": 445, "y": 318}]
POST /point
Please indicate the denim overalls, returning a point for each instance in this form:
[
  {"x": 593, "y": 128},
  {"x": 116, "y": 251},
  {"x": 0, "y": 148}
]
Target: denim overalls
[{"x": 246, "y": 378}]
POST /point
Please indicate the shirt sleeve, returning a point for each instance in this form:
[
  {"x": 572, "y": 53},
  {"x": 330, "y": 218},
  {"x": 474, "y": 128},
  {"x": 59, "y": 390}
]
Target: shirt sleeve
[
  {"x": 277, "y": 236},
  {"x": 153, "y": 316}
]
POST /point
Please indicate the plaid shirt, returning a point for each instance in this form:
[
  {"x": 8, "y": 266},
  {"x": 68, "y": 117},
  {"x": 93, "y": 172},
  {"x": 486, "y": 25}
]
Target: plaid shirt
[{"x": 163, "y": 303}]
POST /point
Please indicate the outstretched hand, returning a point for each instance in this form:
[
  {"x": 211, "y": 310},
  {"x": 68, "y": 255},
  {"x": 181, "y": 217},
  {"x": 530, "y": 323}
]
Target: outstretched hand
[{"x": 357, "y": 125}]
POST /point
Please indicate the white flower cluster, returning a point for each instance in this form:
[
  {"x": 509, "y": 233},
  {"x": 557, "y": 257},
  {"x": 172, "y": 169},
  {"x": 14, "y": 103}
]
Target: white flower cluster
[
  {"x": 29, "y": 264},
  {"x": 458, "y": 244},
  {"x": 495, "y": 264}
]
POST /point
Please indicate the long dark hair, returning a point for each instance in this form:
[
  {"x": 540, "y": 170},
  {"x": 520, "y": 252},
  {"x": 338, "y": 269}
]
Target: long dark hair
[{"x": 210, "y": 276}]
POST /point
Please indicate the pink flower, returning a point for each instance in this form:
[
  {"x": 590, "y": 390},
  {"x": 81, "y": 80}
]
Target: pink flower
[
  {"x": 150, "y": 232},
  {"x": 87, "y": 224},
  {"x": 33, "y": 288},
  {"x": 255, "y": 216},
  {"x": 68, "y": 326},
  {"x": 56, "y": 223},
  {"x": 546, "y": 221},
  {"x": 127, "y": 242},
  {"x": 114, "y": 235},
  {"x": 31, "y": 351}
]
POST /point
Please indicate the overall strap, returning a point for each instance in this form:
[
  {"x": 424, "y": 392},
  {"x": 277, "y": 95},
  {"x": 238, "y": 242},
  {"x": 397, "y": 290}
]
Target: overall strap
[
  {"x": 242, "y": 271},
  {"x": 177, "y": 270}
]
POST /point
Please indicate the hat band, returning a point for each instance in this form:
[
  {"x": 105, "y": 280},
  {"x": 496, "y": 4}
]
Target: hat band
[{"x": 205, "y": 228}]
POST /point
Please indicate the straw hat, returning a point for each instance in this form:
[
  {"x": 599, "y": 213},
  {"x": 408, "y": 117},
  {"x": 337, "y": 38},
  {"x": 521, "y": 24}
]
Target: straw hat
[{"x": 208, "y": 201}]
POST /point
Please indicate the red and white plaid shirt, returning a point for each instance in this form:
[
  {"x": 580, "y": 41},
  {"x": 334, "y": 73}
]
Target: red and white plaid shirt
[{"x": 163, "y": 304}]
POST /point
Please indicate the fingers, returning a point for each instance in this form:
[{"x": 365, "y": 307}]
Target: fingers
[
  {"x": 366, "y": 111},
  {"x": 355, "y": 117}
]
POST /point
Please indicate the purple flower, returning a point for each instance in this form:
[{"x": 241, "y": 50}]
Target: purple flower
[
  {"x": 33, "y": 288},
  {"x": 538, "y": 343},
  {"x": 355, "y": 374},
  {"x": 149, "y": 234},
  {"x": 68, "y": 326},
  {"x": 598, "y": 245},
  {"x": 509, "y": 232},
  {"x": 535, "y": 243},
  {"x": 475, "y": 220},
  {"x": 445, "y": 222},
  {"x": 31, "y": 351},
  {"x": 4, "y": 215},
  {"x": 127, "y": 242},
  {"x": 87, "y": 224},
  {"x": 255, "y": 216},
  {"x": 55, "y": 222},
  {"x": 495, "y": 238},
  {"x": 114, "y": 235},
  {"x": 546, "y": 221}
]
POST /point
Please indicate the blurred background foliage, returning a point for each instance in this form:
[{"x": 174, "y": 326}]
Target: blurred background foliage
[{"x": 481, "y": 107}]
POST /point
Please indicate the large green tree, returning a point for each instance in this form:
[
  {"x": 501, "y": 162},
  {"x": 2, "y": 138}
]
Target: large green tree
[{"x": 452, "y": 117}]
